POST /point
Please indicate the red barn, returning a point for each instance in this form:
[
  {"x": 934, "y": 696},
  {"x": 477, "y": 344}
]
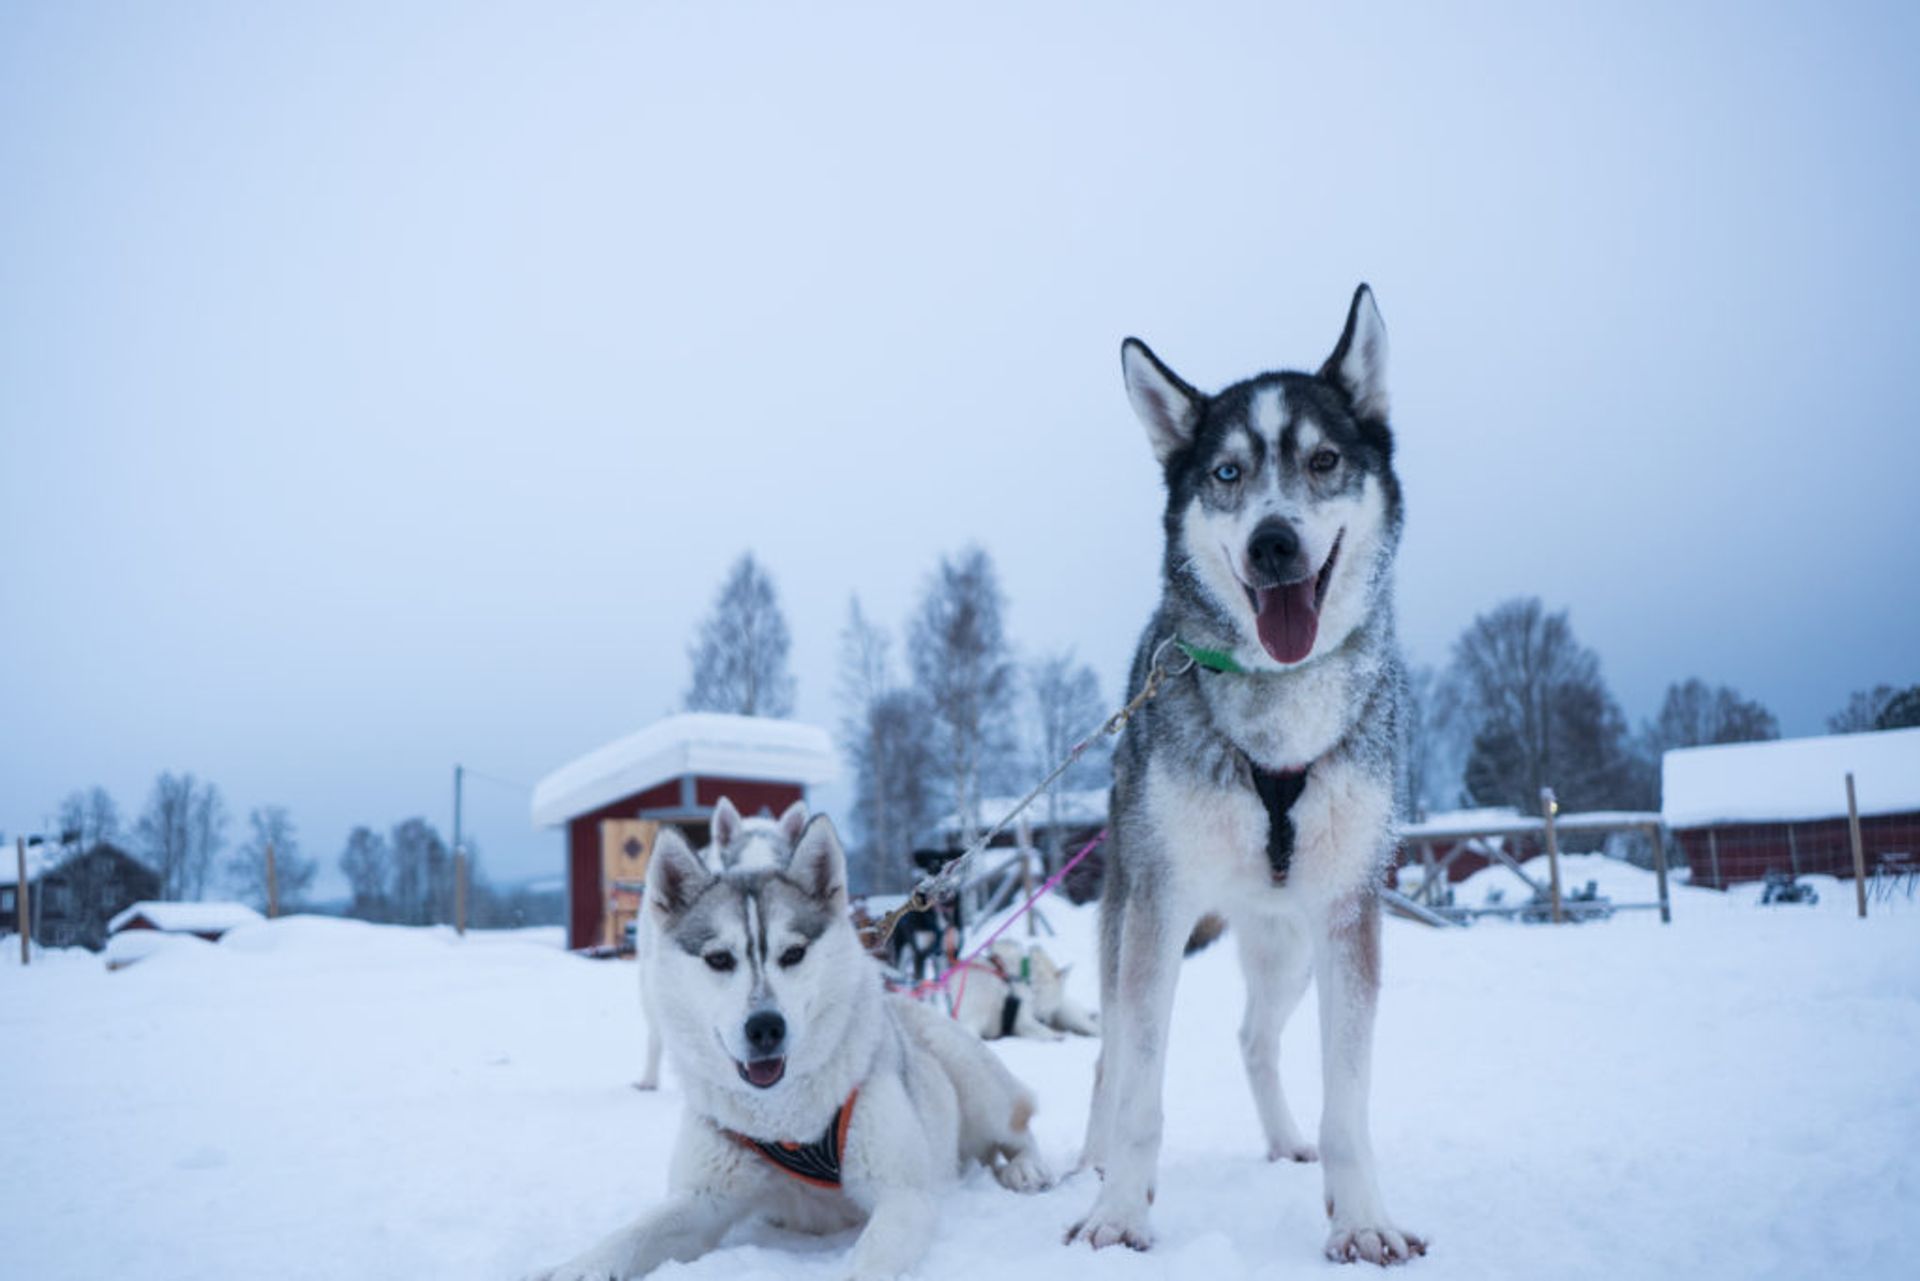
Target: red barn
[
  {"x": 613, "y": 800},
  {"x": 1742, "y": 810}
]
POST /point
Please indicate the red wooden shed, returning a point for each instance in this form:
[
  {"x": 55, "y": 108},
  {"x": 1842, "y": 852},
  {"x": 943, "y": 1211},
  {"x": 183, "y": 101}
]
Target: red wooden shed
[
  {"x": 613, "y": 799},
  {"x": 1742, "y": 810}
]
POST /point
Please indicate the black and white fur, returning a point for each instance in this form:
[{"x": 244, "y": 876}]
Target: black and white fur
[
  {"x": 1280, "y": 484},
  {"x": 736, "y": 842},
  {"x": 772, "y": 1014}
]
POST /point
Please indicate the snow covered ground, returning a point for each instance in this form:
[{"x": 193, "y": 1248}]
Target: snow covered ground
[{"x": 1737, "y": 1095}]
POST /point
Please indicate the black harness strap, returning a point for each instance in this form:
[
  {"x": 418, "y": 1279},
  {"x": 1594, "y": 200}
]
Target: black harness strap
[
  {"x": 1278, "y": 791},
  {"x": 817, "y": 1162},
  {"x": 1008, "y": 1014}
]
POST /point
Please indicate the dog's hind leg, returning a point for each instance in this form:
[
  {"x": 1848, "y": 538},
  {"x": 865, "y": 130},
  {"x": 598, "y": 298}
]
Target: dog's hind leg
[
  {"x": 1276, "y": 960},
  {"x": 1347, "y": 957}
]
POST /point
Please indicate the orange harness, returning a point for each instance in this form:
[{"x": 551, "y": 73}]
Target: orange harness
[{"x": 817, "y": 1162}]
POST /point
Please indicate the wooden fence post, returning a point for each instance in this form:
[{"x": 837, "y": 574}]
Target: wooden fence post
[
  {"x": 1859, "y": 851},
  {"x": 1659, "y": 836},
  {"x": 20, "y": 896},
  {"x": 1550, "y": 807},
  {"x": 460, "y": 892},
  {"x": 273, "y": 886}
]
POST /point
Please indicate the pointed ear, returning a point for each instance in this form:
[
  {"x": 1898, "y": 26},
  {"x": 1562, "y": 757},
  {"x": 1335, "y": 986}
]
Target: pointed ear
[
  {"x": 1166, "y": 406},
  {"x": 726, "y": 824},
  {"x": 1358, "y": 365},
  {"x": 819, "y": 865},
  {"x": 675, "y": 875},
  {"x": 794, "y": 822}
]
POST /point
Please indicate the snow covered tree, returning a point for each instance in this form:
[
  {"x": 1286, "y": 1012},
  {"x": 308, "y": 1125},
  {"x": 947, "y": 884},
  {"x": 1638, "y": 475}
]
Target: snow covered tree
[
  {"x": 91, "y": 816},
  {"x": 1541, "y": 715},
  {"x": 247, "y": 869},
  {"x": 1067, "y": 707},
  {"x": 739, "y": 654},
  {"x": 963, "y": 668},
  {"x": 367, "y": 864},
  {"x": 183, "y": 828},
  {"x": 883, "y": 733}
]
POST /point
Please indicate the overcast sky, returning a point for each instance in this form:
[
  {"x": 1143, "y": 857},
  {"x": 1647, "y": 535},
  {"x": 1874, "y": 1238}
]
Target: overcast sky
[{"x": 387, "y": 386}]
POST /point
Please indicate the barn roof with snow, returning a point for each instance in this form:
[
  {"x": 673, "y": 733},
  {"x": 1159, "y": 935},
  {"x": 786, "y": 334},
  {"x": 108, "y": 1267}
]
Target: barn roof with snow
[
  {"x": 1791, "y": 779},
  {"x": 693, "y": 744},
  {"x": 613, "y": 800},
  {"x": 208, "y": 920}
]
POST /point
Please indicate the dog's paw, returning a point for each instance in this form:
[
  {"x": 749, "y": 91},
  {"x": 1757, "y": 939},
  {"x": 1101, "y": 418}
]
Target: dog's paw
[
  {"x": 1383, "y": 1244},
  {"x": 1107, "y": 1224},
  {"x": 1298, "y": 1150},
  {"x": 1024, "y": 1173}
]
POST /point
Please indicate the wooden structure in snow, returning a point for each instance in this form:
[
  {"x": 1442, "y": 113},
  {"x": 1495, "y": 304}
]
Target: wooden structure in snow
[{"x": 613, "y": 800}]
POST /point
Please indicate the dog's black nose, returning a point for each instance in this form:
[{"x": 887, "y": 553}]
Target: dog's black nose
[
  {"x": 1272, "y": 550},
  {"x": 765, "y": 1031}
]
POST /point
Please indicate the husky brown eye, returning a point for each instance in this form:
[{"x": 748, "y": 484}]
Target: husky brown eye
[
  {"x": 719, "y": 962},
  {"x": 1323, "y": 461},
  {"x": 792, "y": 957}
]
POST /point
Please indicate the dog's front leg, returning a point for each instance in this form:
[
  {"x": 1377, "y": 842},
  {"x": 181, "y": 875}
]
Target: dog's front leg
[
  {"x": 1347, "y": 958},
  {"x": 683, "y": 1228},
  {"x": 897, "y": 1234},
  {"x": 1133, "y": 1062}
]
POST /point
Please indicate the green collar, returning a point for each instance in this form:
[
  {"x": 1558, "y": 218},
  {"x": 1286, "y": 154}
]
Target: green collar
[{"x": 1213, "y": 660}]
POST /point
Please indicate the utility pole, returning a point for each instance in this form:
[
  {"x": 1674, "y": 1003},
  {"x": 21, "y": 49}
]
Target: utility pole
[
  {"x": 459, "y": 857},
  {"x": 273, "y": 886},
  {"x": 20, "y": 896}
]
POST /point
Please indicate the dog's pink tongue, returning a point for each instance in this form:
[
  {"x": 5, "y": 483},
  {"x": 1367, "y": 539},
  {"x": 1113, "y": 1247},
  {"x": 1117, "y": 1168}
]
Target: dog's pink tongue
[
  {"x": 1288, "y": 620},
  {"x": 764, "y": 1072}
]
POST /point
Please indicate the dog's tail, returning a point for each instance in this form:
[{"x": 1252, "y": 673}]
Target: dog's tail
[{"x": 1210, "y": 928}]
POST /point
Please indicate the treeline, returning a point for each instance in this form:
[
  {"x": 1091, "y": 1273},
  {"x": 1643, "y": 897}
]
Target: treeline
[
  {"x": 961, "y": 717},
  {"x": 405, "y": 876},
  {"x": 1522, "y": 705}
]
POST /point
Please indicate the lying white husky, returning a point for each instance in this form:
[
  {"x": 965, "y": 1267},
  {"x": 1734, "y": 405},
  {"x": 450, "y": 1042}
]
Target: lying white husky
[{"x": 815, "y": 1100}]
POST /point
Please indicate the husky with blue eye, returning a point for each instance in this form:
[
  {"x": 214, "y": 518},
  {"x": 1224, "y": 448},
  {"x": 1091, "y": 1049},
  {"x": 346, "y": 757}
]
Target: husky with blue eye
[
  {"x": 1258, "y": 789},
  {"x": 815, "y": 1099}
]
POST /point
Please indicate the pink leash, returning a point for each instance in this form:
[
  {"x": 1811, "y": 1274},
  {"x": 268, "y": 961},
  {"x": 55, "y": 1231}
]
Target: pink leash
[{"x": 966, "y": 962}]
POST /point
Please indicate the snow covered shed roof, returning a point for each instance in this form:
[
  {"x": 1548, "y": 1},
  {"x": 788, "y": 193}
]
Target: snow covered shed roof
[
  {"x": 1791, "y": 779},
  {"x": 41, "y": 859},
  {"x": 186, "y": 918},
  {"x": 710, "y": 744}
]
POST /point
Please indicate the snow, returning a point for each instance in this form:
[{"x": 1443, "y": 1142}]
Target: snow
[
  {"x": 186, "y": 918},
  {"x": 1733, "y": 1096},
  {"x": 1791, "y": 779},
  {"x": 714, "y": 744},
  {"x": 1455, "y": 824},
  {"x": 41, "y": 859}
]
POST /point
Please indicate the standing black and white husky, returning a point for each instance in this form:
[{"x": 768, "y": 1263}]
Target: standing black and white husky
[
  {"x": 1258, "y": 788},
  {"x": 814, "y": 1099}
]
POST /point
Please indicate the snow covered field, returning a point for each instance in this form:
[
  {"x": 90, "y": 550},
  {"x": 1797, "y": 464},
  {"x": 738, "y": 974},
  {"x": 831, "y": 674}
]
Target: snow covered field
[{"x": 1737, "y": 1095}]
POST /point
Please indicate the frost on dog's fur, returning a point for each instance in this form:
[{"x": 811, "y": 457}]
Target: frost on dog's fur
[
  {"x": 1283, "y": 515},
  {"x": 773, "y": 1016}
]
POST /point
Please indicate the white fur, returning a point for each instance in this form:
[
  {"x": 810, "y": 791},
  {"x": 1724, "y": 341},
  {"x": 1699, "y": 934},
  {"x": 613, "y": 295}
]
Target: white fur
[{"x": 931, "y": 1098}]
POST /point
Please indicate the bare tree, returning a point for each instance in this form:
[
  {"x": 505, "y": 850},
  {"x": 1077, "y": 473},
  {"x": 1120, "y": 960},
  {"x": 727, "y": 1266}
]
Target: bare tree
[
  {"x": 963, "y": 668},
  {"x": 1902, "y": 711},
  {"x": 247, "y": 869},
  {"x": 183, "y": 828},
  {"x": 1541, "y": 714},
  {"x": 883, "y": 733},
  {"x": 1862, "y": 712},
  {"x": 1425, "y": 715},
  {"x": 1694, "y": 713},
  {"x": 1067, "y": 707},
  {"x": 421, "y": 891},
  {"x": 367, "y": 863},
  {"x": 91, "y": 816},
  {"x": 739, "y": 655}
]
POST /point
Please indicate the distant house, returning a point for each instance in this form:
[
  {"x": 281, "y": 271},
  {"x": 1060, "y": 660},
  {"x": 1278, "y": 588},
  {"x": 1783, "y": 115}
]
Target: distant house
[
  {"x": 1742, "y": 810},
  {"x": 73, "y": 897},
  {"x": 202, "y": 920},
  {"x": 612, "y": 802}
]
